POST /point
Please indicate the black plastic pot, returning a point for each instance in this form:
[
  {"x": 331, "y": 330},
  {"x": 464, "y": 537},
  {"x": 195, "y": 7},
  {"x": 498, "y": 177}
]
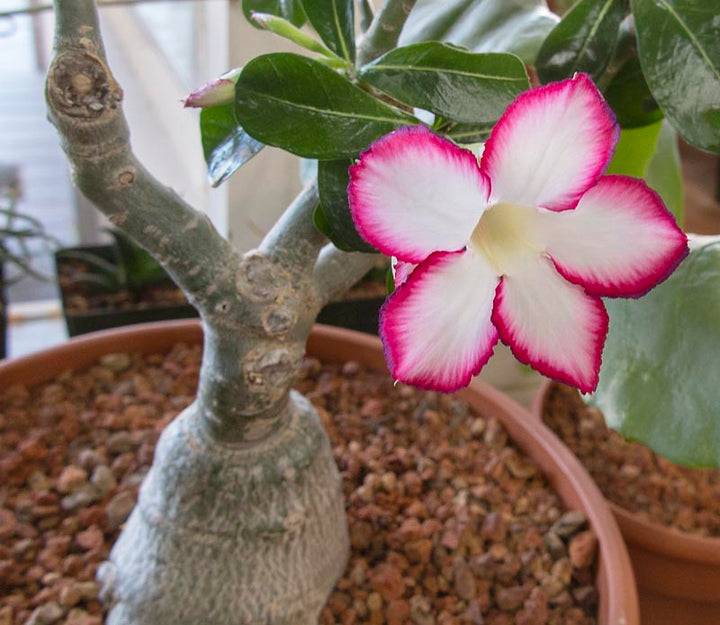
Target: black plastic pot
[{"x": 90, "y": 321}]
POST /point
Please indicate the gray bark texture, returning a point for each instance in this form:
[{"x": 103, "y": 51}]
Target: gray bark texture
[{"x": 240, "y": 520}]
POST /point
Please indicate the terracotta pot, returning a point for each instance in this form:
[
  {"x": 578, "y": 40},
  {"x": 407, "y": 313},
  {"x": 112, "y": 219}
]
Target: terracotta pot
[
  {"x": 678, "y": 574},
  {"x": 618, "y": 598}
]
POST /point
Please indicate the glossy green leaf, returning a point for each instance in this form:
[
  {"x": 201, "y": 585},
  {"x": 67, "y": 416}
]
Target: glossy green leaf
[
  {"x": 306, "y": 108},
  {"x": 584, "y": 41},
  {"x": 450, "y": 82},
  {"x": 651, "y": 152},
  {"x": 334, "y": 21},
  {"x": 629, "y": 97},
  {"x": 679, "y": 49},
  {"x": 634, "y": 150},
  {"x": 333, "y": 180},
  {"x": 659, "y": 377},
  {"x": 515, "y": 26},
  {"x": 291, "y": 10},
  {"x": 664, "y": 172},
  {"x": 226, "y": 146}
]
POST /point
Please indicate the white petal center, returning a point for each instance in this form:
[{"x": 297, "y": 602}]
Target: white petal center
[{"x": 506, "y": 235}]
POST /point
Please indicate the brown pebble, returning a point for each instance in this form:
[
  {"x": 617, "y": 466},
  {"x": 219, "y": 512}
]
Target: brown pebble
[
  {"x": 71, "y": 479},
  {"x": 397, "y": 612},
  {"x": 387, "y": 580},
  {"x": 582, "y": 549}
]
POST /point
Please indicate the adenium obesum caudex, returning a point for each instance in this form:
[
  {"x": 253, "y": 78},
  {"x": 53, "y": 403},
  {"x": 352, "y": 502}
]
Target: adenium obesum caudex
[{"x": 520, "y": 247}]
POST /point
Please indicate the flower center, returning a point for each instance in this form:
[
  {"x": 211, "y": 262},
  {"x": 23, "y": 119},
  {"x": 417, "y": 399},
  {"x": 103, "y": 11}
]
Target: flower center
[{"x": 504, "y": 236}]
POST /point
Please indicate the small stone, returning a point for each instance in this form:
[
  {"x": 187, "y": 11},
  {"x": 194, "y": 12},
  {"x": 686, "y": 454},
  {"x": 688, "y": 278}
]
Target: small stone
[
  {"x": 465, "y": 585},
  {"x": 397, "y": 612},
  {"x": 116, "y": 362},
  {"x": 493, "y": 527},
  {"x": 120, "y": 443},
  {"x": 582, "y": 549},
  {"x": 103, "y": 479},
  {"x": 119, "y": 509},
  {"x": 569, "y": 523},
  {"x": 71, "y": 479},
  {"x": 91, "y": 538},
  {"x": 374, "y": 602},
  {"x": 387, "y": 580},
  {"x": 419, "y": 551},
  {"x": 69, "y": 597},
  {"x": 8, "y": 523},
  {"x": 81, "y": 498},
  {"x": 38, "y": 481},
  {"x": 510, "y": 599},
  {"x": 555, "y": 545},
  {"x": 46, "y": 614}
]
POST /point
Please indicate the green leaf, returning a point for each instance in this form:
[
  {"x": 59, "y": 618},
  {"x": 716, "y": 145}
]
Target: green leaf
[
  {"x": 651, "y": 152},
  {"x": 679, "y": 51},
  {"x": 584, "y": 41},
  {"x": 629, "y": 97},
  {"x": 291, "y": 10},
  {"x": 450, "y": 82},
  {"x": 515, "y": 26},
  {"x": 334, "y": 21},
  {"x": 306, "y": 108},
  {"x": 664, "y": 173},
  {"x": 658, "y": 383},
  {"x": 338, "y": 226},
  {"x": 226, "y": 146},
  {"x": 634, "y": 150}
]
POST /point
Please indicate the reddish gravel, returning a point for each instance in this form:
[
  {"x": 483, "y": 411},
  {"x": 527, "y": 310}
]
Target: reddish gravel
[
  {"x": 450, "y": 524},
  {"x": 631, "y": 475}
]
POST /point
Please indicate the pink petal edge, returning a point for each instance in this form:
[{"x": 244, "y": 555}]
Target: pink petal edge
[
  {"x": 653, "y": 212},
  {"x": 413, "y": 231},
  {"x": 393, "y": 322},
  {"x": 494, "y": 159},
  {"x": 544, "y": 365}
]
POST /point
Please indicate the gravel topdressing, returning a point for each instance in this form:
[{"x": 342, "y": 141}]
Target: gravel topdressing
[
  {"x": 449, "y": 523},
  {"x": 631, "y": 475}
]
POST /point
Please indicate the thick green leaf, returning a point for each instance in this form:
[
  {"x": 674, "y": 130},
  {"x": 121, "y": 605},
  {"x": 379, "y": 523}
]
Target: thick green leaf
[
  {"x": 679, "y": 48},
  {"x": 226, "y": 145},
  {"x": 336, "y": 222},
  {"x": 651, "y": 152},
  {"x": 659, "y": 378},
  {"x": 450, "y": 82},
  {"x": 334, "y": 21},
  {"x": 629, "y": 97},
  {"x": 634, "y": 150},
  {"x": 584, "y": 41},
  {"x": 515, "y": 26},
  {"x": 664, "y": 173},
  {"x": 306, "y": 108},
  {"x": 291, "y": 10}
]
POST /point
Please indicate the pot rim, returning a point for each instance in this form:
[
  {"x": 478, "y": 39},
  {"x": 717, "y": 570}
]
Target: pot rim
[
  {"x": 615, "y": 578},
  {"x": 651, "y": 535}
]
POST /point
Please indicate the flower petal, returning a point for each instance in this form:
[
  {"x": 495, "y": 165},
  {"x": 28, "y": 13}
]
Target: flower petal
[
  {"x": 401, "y": 271},
  {"x": 551, "y": 145},
  {"x": 620, "y": 241},
  {"x": 414, "y": 193},
  {"x": 551, "y": 324},
  {"x": 436, "y": 327}
]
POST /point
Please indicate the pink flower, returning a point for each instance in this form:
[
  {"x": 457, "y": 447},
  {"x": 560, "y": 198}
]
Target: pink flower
[{"x": 519, "y": 248}]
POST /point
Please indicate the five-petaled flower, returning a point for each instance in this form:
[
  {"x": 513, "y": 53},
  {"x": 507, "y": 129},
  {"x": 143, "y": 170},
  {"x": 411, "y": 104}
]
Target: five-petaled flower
[{"x": 520, "y": 247}]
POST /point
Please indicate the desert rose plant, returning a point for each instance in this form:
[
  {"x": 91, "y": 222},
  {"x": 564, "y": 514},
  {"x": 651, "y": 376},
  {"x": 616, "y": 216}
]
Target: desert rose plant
[{"x": 241, "y": 519}]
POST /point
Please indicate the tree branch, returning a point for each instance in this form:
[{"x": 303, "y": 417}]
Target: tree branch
[
  {"x": 336, "y": 271},
  {"x": 84, "y": 105},
  {"x": 384, "y": 31},
  {"x": 294, "y": 240}
]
